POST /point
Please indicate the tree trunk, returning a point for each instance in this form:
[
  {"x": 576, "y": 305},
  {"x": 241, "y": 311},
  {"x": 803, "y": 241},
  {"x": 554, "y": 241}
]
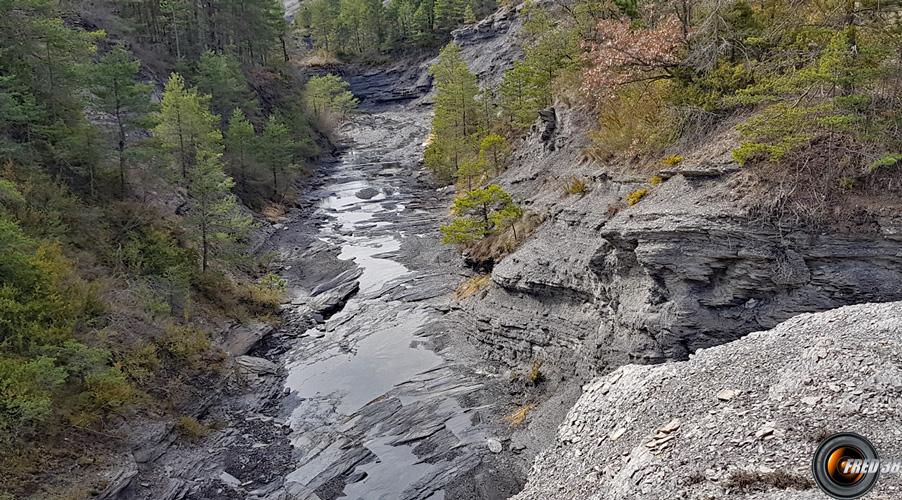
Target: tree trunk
[
  {"x": 203, "y": 234},
  {"x": 121, "y": 144},
  {"x": 121, "y": 169},
  {"x": 183, "y": 153},
  {"x": 175, "y": 31},
  {"x": 284, "y": 47}
]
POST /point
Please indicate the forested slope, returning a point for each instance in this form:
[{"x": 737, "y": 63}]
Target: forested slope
[{"x": 140, "y": 143}]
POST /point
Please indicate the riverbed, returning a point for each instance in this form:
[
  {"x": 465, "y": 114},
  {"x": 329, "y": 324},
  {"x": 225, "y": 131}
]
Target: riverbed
[{"x": 380, "y": 401}]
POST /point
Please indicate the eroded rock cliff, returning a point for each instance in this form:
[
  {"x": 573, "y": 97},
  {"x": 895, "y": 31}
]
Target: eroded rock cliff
[{"x": 602, "y": 283}]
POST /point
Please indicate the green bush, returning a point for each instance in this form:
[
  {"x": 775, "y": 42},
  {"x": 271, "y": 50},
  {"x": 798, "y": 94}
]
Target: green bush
[
  {"x": 186, "y": 343},
  {"x": 479, "y": 213}
]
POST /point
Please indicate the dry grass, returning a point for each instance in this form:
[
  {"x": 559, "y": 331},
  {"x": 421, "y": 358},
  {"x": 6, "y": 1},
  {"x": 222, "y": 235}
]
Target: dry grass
[
  {"x": 820, "y": 186},
  {"x": 190, "y": 428},
  {"x": 329, "y": 124},
  {"x": 819, "y": 434},
  {"x": 672, "y": 160},
  {"x": 576, "y": 186},
  {"x": 535, "y": 376},
  {"x": 318, "y": 58},
  {"x": 748, "y": 481},
  {"x": 697, "y": 477},
  {"x": 634, "y": 124},
  {"x": 472, "y": 286},
  {"x": 518, "y": 416},
  {"x": 498, "y": 245},
  {"x": 273, "y": 211}
]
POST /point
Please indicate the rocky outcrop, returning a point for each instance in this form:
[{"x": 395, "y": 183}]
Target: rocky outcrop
[
  {"x": 491, "y": 46},
  {"x": 378, "y": 86},
  {"x": 741, "y": 419},
  {"x": 685, "y": 268}
]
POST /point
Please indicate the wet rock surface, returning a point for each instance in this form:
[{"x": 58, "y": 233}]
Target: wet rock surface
[
  {"x": 740, "y": 420},
  {"x": 382, "y": 402},
  {"x": 366, "y": 389}
]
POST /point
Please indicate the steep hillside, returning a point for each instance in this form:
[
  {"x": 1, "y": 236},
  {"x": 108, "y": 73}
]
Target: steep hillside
[
  {"x": 688, "y": 267},
  {"x": 649, "y": 260},
  {"x": 645, "y": 253},
  {"x": 735, "y": 421}
]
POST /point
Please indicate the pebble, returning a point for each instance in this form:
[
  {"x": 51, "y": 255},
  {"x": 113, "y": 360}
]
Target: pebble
[
  {"x": 229, "y": 480},
  {"x": 727, "y": 394}
]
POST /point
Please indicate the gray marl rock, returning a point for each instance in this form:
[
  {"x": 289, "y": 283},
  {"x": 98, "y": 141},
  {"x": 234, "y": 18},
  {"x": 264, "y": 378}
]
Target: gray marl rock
[
  {"x": 847, "y": 361},
  {"x": 601, "y": 284}
]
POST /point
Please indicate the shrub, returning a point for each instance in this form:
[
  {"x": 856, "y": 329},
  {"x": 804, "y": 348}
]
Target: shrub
[
  {"x": 636, "y": 196},
  {"x": 185, "y": 343},
  {"x": 535, "y": 376},
  {"x": 320, "y": 57},
  {"x": 154, "y": 252},
  {"x": 265, "y": 296},
  {"x": 655, "y": 180},
  {"x": 139, "y": 363},
  {"x": 110, "y": 389},
  {"x": 748, "y": 481},
  {"x": 672, "y": 160},
  {"x": 27, "y": 391},
  {"x": 190, "y": 428},
  {"x": 576, "y": 186},
  {"x": 885, "y": 161}
]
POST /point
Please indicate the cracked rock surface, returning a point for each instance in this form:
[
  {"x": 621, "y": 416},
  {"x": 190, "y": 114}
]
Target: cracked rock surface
[{"x": 740, "y": 420}]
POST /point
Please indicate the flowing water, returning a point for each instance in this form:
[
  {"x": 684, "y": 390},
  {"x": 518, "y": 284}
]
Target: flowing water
[{"x": 375, "y": 412}]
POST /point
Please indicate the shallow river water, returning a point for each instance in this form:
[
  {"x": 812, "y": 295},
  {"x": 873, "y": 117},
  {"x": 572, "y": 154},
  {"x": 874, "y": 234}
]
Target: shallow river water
[{"x": 374, "y": 411}]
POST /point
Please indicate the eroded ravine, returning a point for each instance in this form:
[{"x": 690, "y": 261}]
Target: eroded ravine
[{"x": 374, "y": 410}]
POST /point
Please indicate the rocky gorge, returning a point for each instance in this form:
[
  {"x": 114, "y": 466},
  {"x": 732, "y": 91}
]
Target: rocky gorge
[{"x": 380, "y": 383}]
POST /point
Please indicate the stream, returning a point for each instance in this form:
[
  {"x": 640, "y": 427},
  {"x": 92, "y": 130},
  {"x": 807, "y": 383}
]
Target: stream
[{"x": 380, "y": 404}]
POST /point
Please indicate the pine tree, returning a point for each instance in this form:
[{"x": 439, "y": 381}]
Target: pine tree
[
  {"x": 518, "y": 96},
  {"x": 480, "y": 213},
  {"x": 329, "y": 94},
  {"x": 219, "y": 76},
  {"x": 185, "y": 124},
  {"x": 472, "y": 168},
  {"x": 469, "y": 15},
  {"x": 214, "y": 211},
  {"x": 120, "y": 95},
  {"x": 494, "y": 149},
  {"x": 240, "y": 143},
  {"x": 456, "y": 120},
  {"x": 277, "y": 151}
]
